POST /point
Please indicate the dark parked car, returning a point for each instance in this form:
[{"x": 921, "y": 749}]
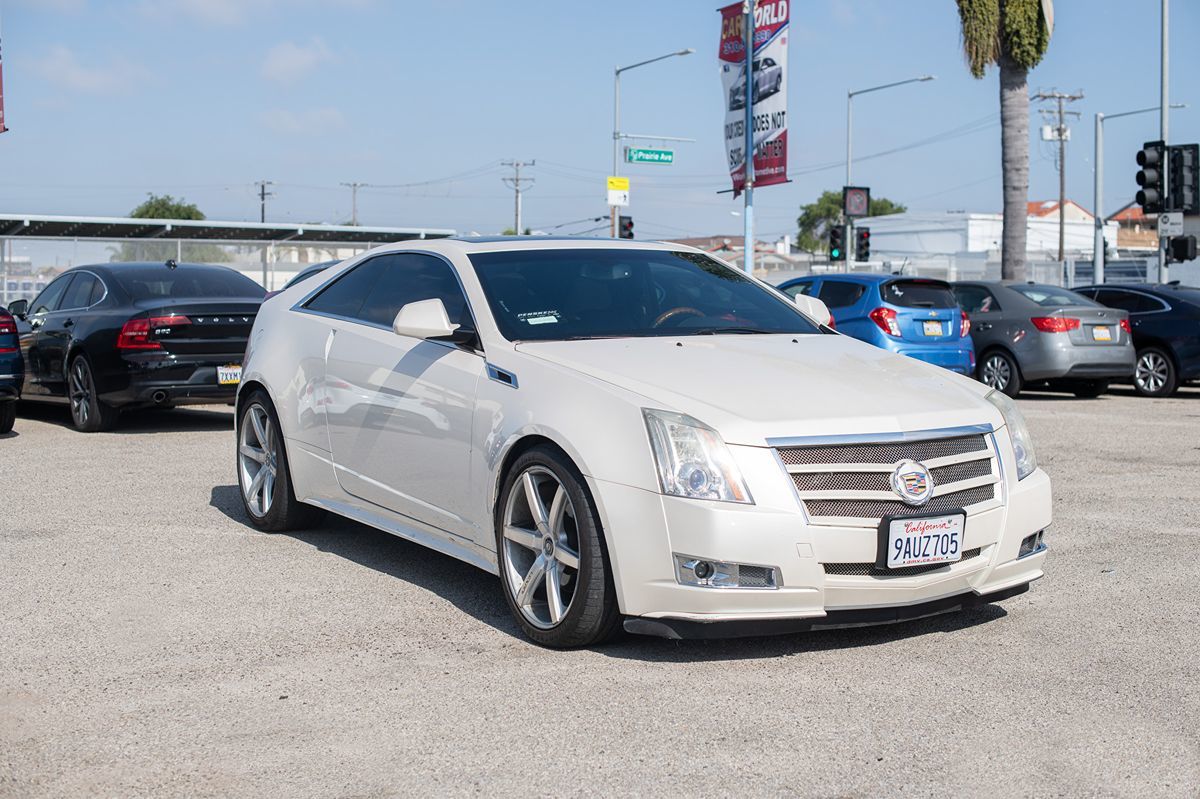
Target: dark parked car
[
  {"x": 303, "y": 275},
  {"x": 12, "y": 370},
  {"x": 1166, "y": 332},
  {"x": 102, "y": 338},
  {"x": 1026, "y": 333}
]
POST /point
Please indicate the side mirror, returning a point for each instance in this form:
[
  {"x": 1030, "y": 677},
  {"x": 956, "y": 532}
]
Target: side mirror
[
  {"x": 19, "y": 308},
  {"x": 814, "y": 309},
  {"x": 424, "y": 319}
]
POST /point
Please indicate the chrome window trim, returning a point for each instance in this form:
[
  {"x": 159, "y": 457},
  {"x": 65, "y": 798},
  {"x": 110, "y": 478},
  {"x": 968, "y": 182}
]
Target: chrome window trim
[
  {"x": 103, "y": 296},
  {"x": 882, "y": 438}
]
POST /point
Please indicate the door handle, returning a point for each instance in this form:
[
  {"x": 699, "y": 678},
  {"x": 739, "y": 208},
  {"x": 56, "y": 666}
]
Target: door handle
[
  {"x": 68, "y": 323},
  {"x": 984, "y": 325},
  {"x": 35, "y": 324}
]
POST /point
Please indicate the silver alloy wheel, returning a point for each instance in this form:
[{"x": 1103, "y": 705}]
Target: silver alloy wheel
[
  {"x": 996, "y": 372},
  {"x": 81, "y": 392},
  {"x": 257, "y": 459},
  {"x": 540, "y": 554},
  {"x": 1151, "y": 372}
]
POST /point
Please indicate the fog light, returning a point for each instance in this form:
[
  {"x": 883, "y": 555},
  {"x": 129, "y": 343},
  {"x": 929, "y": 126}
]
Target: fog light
[
  {"x": 720, "y": 574},
  {"x": 1031, "y": 545}
]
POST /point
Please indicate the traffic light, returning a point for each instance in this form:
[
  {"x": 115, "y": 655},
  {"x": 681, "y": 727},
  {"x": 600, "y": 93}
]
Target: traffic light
[
  {"x": 1183, "y": 178},
  {"x": 1181, "y": 248},
  {"x": 862, "y": 244},
  {"x": 625, "y": 227},
  {"x": 1152, "y": 158},
  {"x": 837, "y": 243}
]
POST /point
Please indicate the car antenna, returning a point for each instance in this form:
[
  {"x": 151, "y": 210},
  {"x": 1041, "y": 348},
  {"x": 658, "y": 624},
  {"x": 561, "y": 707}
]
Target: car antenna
[{"x": 171, "y": 263}]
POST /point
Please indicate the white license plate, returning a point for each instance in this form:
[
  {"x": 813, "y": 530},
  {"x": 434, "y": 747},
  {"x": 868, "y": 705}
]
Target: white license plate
[
  {"x": 933, "y": 328},
  {"x": 1101, "y": 334},
  {"x": 229, "y": 375},
  {"x": 917, "y": 542}
]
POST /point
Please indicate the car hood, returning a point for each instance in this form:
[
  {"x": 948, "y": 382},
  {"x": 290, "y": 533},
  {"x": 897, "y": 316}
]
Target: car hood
[{"x": 752, "y": 388}]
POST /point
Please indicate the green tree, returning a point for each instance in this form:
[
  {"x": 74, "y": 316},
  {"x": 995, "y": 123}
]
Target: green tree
[
  {"x": 817, "y": 217},
  {"x": 164, "y": 206},
  {"x": 1012, "y": 35}
]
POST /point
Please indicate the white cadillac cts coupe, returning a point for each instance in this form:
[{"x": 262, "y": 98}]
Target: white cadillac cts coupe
[{"x": 634, "y": 433}]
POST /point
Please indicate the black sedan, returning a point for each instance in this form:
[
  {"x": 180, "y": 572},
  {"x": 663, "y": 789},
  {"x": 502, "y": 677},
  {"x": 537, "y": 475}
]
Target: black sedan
[
  {"x": 1165, "y": 319},
  {"x": 106, "y": 337},
  {"x": 12, "y": 370}
]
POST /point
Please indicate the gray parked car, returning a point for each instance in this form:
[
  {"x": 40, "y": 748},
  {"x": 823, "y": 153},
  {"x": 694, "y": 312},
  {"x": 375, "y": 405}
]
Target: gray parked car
[{"x": 1026, "y": 333}]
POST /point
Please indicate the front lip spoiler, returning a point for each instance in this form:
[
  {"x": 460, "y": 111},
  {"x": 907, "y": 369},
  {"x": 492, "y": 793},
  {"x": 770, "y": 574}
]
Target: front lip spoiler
[{"x": 862, "y": 617}]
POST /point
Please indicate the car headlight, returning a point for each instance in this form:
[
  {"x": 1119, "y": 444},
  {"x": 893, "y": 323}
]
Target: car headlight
[
  {"x": 692, "y": 460},
  {"x": 1022, "y": 442}
]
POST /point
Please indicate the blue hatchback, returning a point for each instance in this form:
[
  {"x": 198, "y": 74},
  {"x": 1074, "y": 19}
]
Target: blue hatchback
[
  {"x": 12, "y": 370},
  {"x": 913, "y": 316}
]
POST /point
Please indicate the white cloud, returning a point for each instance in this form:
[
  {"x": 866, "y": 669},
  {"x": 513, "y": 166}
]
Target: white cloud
[
  {"x": 61, "y": 67},
  {"x": 209, "y": 12},
  {"x": 310, "y": 122},
  {"x": 287, "y": 62}
]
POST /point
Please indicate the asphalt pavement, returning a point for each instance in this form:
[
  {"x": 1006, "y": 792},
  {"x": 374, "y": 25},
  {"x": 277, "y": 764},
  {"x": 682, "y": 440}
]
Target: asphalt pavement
[{"x": 152, "y": 643}]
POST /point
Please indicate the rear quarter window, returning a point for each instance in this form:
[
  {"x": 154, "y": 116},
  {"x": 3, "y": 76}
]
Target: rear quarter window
[{"x": 918, "y": 294}]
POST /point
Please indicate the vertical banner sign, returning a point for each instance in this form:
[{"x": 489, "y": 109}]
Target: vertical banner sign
[{"x": 769, "y": 75}]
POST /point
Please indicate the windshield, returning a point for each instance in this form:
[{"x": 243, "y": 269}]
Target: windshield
[
  {"x": 552, "y": 295},
  {"x": 919, "y": 294},
  {"x": 161, "y": 282},
  {"x": 1051, "y": 296}
]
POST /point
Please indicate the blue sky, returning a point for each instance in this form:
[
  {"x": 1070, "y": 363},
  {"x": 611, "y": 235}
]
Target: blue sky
[{"x": 110, "y": 99}]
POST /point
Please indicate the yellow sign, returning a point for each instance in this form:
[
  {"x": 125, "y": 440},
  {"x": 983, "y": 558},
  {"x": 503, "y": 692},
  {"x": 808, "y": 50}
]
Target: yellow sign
[{"x": 618, "y": 184}]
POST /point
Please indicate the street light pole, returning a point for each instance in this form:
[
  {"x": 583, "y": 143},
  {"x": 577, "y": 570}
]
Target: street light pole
[
  {"x": 616, "y": 134},
  {"x": 849, "y": 136}
]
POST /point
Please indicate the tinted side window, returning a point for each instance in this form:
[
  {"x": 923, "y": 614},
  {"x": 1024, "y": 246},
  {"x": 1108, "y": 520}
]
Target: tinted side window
[
  {"x": 98, "y": 292},
  {"x": 975, "y": 299},
  {"x": 48, "y": 299},
  {"x": 346, "y": 295},
  {"x": 411, "y": 278},
  {"x": 798, "y": 288},
  {"x": 79, "y": 295},
  {"x": 1125, "y": 300},
  {"x": 840, "y": 294}
]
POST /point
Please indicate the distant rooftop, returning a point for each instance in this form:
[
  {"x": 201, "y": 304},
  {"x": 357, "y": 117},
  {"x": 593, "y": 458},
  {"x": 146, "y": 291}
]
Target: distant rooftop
[{"x": 104, "y": 227}]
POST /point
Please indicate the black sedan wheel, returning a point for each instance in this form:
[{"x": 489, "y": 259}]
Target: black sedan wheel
[
  {"x": 89, "y": 414},
  {"x": 8, "y": 416},
  {"x": 1154, "y": 375}
]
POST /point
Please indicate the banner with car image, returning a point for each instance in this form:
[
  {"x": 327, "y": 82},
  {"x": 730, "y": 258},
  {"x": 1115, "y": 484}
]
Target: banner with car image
[{"x": 769, "y": 76}]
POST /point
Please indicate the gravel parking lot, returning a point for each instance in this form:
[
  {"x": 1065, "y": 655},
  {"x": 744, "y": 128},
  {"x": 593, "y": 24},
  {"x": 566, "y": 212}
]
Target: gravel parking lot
[{"x": 152, "y": 643}]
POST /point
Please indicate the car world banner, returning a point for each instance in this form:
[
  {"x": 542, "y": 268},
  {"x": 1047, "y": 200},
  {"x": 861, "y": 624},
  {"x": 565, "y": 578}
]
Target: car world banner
[{"x": 769, "y": 87}]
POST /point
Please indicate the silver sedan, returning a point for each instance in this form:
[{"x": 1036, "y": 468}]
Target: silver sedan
[{"x": 1026, "y": 333}]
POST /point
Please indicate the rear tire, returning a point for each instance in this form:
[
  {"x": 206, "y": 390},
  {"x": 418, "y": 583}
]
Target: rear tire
[
  {"x": 264, "y": 477},
  {"x": 551, "y": 555},
  {"x": 1155, "y": 375},
  {"x": 88, "y": 413},
  {"x": 999, "y": 370},
  {"x": 8, "y": 416},
  {"x": 1090, "y": 389}
]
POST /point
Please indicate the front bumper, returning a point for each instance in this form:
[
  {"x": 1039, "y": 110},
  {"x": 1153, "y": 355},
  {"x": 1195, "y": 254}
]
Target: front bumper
[{"x": 646, "y": 530}]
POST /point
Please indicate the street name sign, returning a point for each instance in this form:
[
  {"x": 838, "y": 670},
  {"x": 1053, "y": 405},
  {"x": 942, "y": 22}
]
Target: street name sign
[{"x": 644, "y": 155}]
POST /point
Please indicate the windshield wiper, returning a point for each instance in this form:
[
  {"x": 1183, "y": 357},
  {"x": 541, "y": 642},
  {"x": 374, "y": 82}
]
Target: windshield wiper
[{"x": 711, "y": 331}]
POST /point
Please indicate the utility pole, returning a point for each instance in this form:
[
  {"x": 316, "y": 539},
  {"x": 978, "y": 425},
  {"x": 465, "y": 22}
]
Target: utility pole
[
  {"x": 263, "y": 194},
  {"x": 1060, "y": 133},
  {"x": 354, "y": 187},
  {"x": 1163, "y": 115},
  {"x": 515, "y": 182}
]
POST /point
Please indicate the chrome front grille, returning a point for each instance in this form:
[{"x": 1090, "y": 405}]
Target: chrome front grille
[
  {"x": 850, "y": 484},
  {"x": 864, "y": 569}
]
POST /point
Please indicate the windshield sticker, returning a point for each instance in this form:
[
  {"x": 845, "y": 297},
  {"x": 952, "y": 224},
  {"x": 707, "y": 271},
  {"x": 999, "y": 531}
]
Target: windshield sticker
[{"x": 539, "y": 317}]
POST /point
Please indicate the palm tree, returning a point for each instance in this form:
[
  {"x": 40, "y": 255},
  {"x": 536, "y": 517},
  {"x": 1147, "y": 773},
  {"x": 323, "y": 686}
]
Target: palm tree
[{"x": 1012, "y": 35}]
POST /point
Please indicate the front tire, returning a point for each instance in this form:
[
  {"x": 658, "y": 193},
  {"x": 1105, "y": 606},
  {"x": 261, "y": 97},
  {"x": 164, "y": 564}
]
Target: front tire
[
  {"x": 88, "y": 413},
  {"x": 1155, "y": 375},
  {"x": 264, "y": 476},
  {"x": 551, "y": 555},
  {"x": 1090, "y": 389},
  {"x": 8, "y": 416},
  {"x": 998, "y": 370}
]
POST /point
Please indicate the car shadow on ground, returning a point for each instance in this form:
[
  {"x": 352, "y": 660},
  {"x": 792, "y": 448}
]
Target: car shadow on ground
[
  {"x": 477, "y": 594},
  {"x": 197, "y": 419}
]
